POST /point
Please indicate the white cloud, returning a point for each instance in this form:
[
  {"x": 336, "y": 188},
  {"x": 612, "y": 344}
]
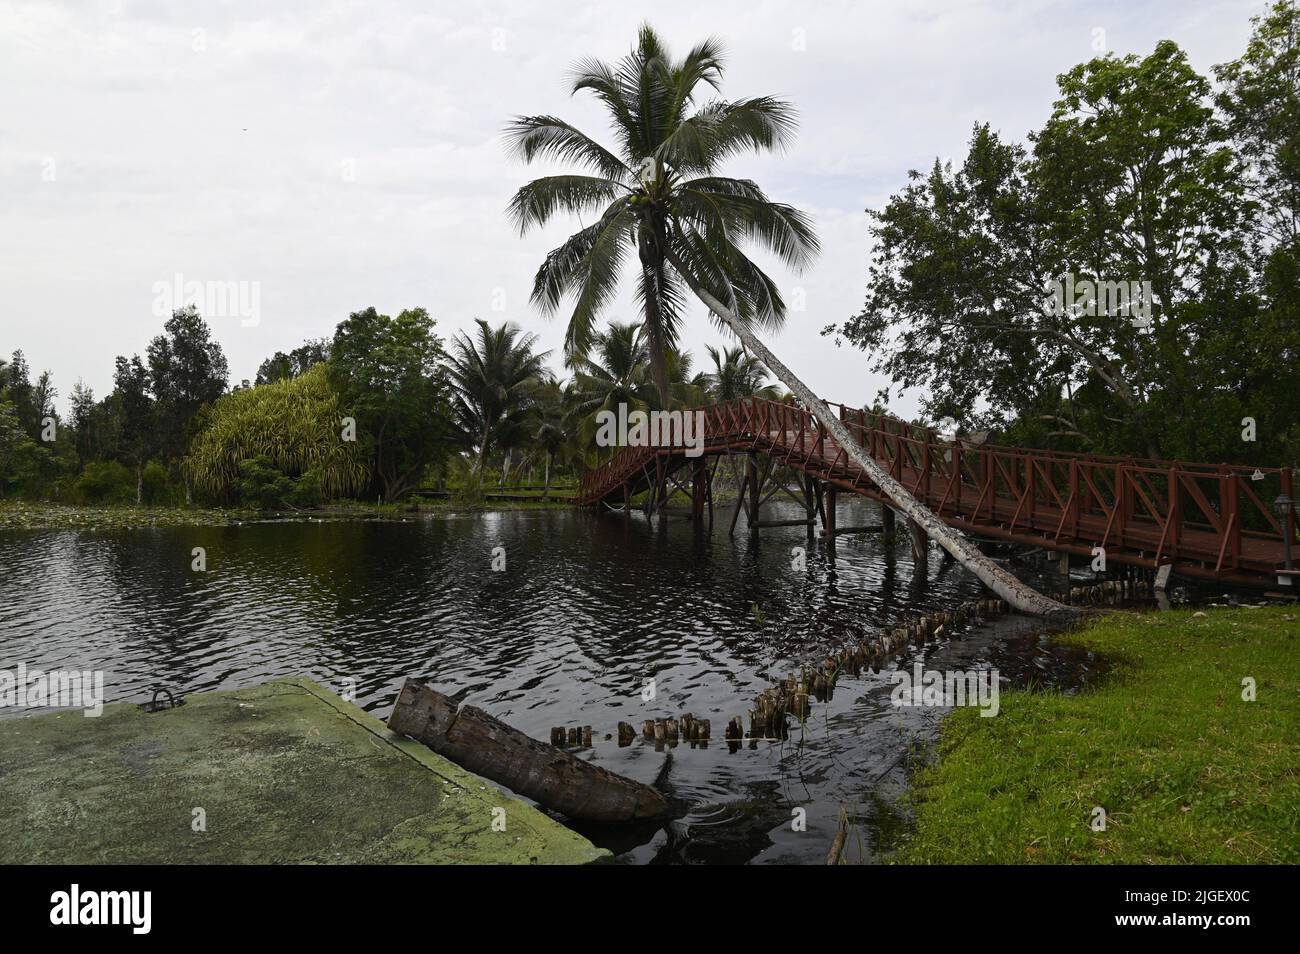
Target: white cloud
[{"x": 220, "y": 154}]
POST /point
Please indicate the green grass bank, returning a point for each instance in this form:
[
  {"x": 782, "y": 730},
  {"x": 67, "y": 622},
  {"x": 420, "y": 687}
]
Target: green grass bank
[{"x": 1186, "y": 769}]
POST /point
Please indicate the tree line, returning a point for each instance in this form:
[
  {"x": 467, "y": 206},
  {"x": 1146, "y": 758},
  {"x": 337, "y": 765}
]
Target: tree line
[
  {"x": 378, "y": 409},
  {"x": 1147, "y": 173}
]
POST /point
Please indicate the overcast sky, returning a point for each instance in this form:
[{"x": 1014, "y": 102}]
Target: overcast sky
[{"x": 336, "y": 156}]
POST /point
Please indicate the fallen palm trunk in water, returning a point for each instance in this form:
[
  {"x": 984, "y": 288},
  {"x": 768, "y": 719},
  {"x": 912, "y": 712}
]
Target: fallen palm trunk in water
[{"x": 552, "y": 777}]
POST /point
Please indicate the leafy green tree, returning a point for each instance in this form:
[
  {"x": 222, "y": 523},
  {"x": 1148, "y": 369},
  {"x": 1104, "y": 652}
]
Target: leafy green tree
[
  {"x": 658, "y": 193},
  {"x": 300, "y": 360},
  {"x": 1261, "y": 101},
  {"x": 136, "y": 414},
  {"x": 1131, "y": 180},
  {"x": 187, "y": 370},
  {"x": 19, "y": 455},
  {"x": 16, "y": 387},
  {"x": 261, "y": 484},
  {"x": 388, "y": 375},
  {"x": 494, "y": 378},
  {"x": 105, "y": 482},
  {"x": 82, "y": 401}
]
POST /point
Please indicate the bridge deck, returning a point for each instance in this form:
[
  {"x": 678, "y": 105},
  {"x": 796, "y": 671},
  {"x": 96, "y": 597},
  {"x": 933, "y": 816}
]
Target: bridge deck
[{"x": 1210, "y": 521}]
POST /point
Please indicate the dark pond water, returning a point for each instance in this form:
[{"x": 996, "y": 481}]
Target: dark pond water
[{"x": 586, "y": 611}]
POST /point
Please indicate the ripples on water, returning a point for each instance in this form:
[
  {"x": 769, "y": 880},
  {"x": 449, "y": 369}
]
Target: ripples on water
[{"x": 586, "y": 611}]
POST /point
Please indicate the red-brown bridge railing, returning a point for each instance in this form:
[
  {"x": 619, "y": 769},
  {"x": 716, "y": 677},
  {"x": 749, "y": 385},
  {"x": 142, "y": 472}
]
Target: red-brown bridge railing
[{"x": 1208, "y": 520}]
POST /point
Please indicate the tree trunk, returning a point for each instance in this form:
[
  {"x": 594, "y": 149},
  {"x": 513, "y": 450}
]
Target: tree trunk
[
  {"x": 546, "y": 479},
  {"x": 653, "y": 272},
  {"x": 139, "y": 483},
  {"x": 1017, "y": 594},
  {"x": 548, "y": 775}
]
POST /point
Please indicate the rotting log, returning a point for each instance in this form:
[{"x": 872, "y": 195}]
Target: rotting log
[{"x": 489, "y": 747}]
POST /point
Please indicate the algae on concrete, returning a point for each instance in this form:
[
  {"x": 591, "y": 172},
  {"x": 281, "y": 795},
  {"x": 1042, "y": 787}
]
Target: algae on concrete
[{"x": 284, "y": 772}]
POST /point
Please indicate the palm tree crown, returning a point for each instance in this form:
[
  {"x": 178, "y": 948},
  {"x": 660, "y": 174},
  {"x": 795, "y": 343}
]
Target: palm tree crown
[
  {"x": 614, "y": 371},
  {"x": 658, "y": 192},
  {"x": 494, "y": 378},
  {"x": 735, "y": 375}
]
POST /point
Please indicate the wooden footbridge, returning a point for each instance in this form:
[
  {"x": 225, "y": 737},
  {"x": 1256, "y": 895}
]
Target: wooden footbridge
[{"x": 1212, "y": 521}]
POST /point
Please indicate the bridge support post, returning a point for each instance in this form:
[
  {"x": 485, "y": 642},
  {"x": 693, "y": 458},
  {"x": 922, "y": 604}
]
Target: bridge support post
[
  {"x": 810, "y": 508},
  {"x": 888, "y": 520},
  {"x": 699, "y": 475},
  {"x": 829, "y": 495},
  {"x": 920, "y": 542},
  {"x": 751, "y": 477},
  {"x": 661, "y": 488}
]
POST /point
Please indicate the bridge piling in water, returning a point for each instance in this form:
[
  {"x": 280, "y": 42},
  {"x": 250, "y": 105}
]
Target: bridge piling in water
[{"x": 920, "y": 542}]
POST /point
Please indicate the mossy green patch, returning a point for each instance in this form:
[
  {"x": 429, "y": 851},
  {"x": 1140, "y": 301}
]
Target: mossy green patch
[{"x": 284, "y": 772}]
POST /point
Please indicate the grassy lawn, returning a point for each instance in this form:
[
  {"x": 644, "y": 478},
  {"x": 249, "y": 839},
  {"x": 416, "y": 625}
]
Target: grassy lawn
[{"x": 1186, "y": 771}]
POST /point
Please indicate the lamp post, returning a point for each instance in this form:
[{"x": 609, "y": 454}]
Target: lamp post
[{"x": 1282, "y": 507}]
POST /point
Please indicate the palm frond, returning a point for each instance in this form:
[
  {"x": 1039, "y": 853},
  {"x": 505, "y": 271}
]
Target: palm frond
[
  {"x": 563, "y": 266},
  {"x": 720, "y": 129},
  {"x": 537, "y": 201},
  {"x": 549, "y": 137}
]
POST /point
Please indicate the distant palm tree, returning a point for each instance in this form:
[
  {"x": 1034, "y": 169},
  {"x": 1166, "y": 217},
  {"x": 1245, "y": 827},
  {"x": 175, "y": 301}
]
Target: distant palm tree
[
  {"x": 737, "y": 375},
  {"x": 494, "y": 378},
  {"x": 615, "y": 370},
  {"x": 688, "y": 389},
  {"x": 659, "y": 193},
  {"x": 556, "y": 428}
]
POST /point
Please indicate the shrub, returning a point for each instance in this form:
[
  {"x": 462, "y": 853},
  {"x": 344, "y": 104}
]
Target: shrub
[
  {"x": 261, "y": 484},
  {"x": 105, "y": 481},
  {"x": 294, "y": 426},
  {"x": 157, "y": 488},
  {"x": 307, "y": 491}
]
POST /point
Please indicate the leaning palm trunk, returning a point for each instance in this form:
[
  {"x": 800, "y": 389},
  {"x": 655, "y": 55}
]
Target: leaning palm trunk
[{"x": 1017, "y": 594}]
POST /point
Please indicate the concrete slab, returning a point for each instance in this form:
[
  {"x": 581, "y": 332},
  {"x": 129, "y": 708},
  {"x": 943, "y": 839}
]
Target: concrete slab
[{"x": 285, "y": 772}]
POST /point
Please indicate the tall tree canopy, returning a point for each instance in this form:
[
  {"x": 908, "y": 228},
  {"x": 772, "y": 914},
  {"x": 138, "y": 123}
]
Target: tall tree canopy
[
  {"x": 186, "y": 371},
  {"x": 388, "y": 376},
  {"x": 658, "y": 192},
  {"x": 1137, "y": 179}
]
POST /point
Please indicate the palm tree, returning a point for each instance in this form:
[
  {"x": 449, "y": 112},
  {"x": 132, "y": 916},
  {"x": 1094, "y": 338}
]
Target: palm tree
[
  {"x": 493, "y": 380},
  {"x": 660, "y": 193},
  {"x": 555, "y": 432},
  {"x": 737, "y": 375},
  {"x": 615, "y": 370}
]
